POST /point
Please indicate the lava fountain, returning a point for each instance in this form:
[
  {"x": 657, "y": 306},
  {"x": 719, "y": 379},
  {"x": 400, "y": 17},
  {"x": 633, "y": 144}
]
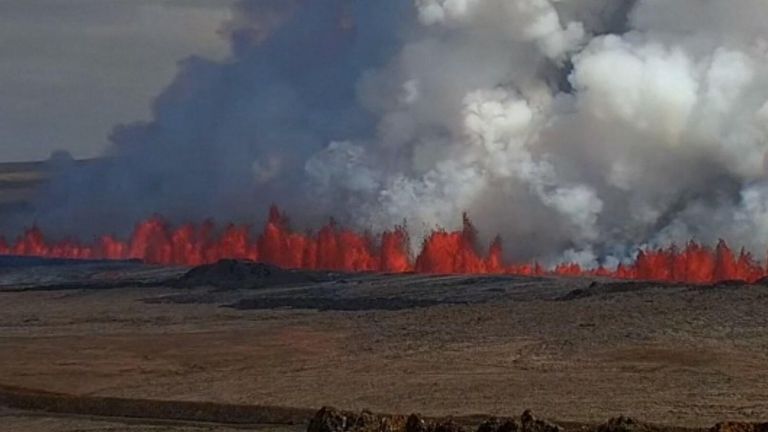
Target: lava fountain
[{"x": 336, "y": 248}]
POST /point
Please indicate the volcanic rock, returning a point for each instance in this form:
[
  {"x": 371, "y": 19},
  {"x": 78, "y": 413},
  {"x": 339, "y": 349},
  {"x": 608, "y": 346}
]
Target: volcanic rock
[
  {"x": 448, "y": 426},
  {"x": 332, "y": 420},
  {"x": 740, "y": 427},
  {"x": 491, "y": 425},
  {"x": 532, "y": 424},
  {"x": 624, "y": 424},
  {"x": 495, "y": 424},
  {"x": 731, "y": 283},
  {"x": 392, "y": 424},
  {"x": 328, "y": 419},
  {"x": 245, "y": 274},
  {"x": 416, "y": 424},
  {"x": 366, "y": 421},
  {"x": 603, "y": 289}
]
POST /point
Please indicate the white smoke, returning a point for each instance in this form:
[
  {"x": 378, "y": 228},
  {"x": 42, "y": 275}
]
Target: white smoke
[{"x": 660, "y": 135}]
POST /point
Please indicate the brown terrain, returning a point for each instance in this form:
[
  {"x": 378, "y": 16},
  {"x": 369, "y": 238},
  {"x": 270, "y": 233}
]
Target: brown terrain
[{"x": 109, "y": 340}]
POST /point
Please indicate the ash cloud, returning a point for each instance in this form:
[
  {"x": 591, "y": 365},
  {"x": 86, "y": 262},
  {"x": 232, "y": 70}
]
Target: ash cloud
[{"x": 577, "y": 129}]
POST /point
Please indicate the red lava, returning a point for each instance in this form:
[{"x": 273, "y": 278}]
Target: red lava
[{"x": 336, "y": 248}]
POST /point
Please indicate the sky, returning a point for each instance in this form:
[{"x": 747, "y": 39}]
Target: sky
[{"x": 70, "y": 70}]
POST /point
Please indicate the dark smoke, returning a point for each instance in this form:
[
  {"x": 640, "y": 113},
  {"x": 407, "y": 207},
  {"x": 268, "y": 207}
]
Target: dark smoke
[{"x": 230, "y": 138}]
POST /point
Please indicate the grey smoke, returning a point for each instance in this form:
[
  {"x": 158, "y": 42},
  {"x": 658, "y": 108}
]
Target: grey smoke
[{"x": 579, "y": 129}]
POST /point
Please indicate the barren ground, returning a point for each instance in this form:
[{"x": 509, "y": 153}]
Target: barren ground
[{"x": 676, "y": 355}]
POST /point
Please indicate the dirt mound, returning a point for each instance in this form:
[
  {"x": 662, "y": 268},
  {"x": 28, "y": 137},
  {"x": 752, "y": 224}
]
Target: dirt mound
[{"x": 247, "y": 274}]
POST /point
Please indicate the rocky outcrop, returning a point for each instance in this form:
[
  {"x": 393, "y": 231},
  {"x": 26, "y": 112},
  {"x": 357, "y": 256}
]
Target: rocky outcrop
[
  {"x": 529, "y": 423},
  {"x": 740, "y": 427},
  {"x": 416, "y": 424},
  {"x": 448, "y": 426},
  {"x": 328, "y": 420},
  {"x": 625, "y": 424},
  {"x": 495, "y": 424},
  {"x": 332, "y": 420}
]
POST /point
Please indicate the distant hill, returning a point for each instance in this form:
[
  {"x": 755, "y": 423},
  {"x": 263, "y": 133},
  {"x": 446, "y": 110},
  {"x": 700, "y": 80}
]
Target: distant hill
[{"x": 21, "y": 181}]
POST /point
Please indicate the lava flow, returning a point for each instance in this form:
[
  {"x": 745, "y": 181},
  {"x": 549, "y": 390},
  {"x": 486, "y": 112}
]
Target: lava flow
[{"x": 336, "y": 248}]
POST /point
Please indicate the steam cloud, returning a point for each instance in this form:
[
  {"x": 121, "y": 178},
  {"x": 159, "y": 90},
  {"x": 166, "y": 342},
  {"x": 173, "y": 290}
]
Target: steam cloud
[{"x": 577, "y": 129}]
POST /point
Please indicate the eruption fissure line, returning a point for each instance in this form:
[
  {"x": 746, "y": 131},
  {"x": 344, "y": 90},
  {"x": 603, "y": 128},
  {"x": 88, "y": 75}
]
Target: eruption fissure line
[{"x": 340, "y": 249}]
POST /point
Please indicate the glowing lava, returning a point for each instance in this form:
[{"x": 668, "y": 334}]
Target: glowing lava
[{"x": 336, "y": 248}]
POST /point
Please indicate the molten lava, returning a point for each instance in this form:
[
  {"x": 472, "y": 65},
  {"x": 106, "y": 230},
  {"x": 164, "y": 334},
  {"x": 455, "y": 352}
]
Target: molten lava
[{"x": 336, "y": 248}]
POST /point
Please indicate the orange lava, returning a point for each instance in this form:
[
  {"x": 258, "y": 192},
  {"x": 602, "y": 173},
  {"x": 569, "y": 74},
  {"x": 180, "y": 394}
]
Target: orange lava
[{"x": 336, "y": 248}]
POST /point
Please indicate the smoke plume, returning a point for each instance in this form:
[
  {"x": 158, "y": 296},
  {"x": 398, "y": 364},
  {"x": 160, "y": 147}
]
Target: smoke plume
[{"x": 576, "y": 129}]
